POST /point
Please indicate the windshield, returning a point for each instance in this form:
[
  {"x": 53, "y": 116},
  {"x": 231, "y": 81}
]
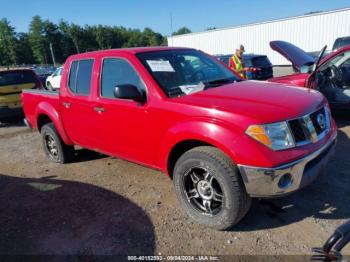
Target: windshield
[{"x": 180, "y": 72}]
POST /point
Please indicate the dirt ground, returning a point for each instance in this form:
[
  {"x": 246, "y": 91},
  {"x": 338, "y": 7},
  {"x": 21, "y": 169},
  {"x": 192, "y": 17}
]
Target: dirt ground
[{"x": 102, "y": 205}]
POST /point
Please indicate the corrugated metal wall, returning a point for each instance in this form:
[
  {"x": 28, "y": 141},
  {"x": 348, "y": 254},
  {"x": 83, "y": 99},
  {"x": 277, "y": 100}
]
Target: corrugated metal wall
[{"x": 309, "y": 32}]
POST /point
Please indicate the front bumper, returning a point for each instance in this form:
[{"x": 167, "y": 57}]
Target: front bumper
[{"x": 285, "y": 179}]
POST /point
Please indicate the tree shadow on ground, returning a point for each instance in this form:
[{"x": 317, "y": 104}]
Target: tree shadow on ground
[
  {"x": 326, "y": 198},
  {"x": 56, "y": 217}
]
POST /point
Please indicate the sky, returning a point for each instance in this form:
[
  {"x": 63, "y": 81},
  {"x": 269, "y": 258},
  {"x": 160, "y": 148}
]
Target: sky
[{"x": 197, "y": 15}]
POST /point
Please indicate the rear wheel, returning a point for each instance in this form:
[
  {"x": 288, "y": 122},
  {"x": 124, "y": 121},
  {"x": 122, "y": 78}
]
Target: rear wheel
[
  {"x": 210, "y": 189},
  {"x": 55, "y": 149}
]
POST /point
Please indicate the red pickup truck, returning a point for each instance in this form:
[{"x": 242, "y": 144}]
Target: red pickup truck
[{"x": 222, "y": 140}]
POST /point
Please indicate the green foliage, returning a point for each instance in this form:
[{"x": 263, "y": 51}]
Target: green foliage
[
  {"x": 182, "y": 31},
  {"x": 67, "y": 39},
  {"x": 8, "y": 53}
]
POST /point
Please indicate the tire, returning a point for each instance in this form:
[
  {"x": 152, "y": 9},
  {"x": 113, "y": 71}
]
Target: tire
[
  {"x": 49, "y": 86},
  {"x": 55, "y": 149},
  {"x": 193, "y": 193}
]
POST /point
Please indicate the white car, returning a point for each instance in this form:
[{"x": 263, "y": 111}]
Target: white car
[{"x": 53, "y": 81}]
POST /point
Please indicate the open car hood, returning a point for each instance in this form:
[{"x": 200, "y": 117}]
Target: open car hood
[{"x": 292, "y": 53}]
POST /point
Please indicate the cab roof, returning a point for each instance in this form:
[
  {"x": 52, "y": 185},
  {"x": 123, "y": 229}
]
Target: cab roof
[{"x": 132, "y": 50}]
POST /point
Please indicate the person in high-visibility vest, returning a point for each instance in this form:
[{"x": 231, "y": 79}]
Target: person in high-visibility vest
[{"x": 237, "y": 64}]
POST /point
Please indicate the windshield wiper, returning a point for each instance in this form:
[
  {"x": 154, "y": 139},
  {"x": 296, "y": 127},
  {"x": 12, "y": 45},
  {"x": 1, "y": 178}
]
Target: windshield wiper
[
  {"x": 218, "y": 82},
  {"x": 190, "y": 89}
]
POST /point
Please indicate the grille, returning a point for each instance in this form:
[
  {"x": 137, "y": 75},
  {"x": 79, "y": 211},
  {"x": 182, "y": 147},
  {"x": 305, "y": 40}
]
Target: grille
[
  {"x": 301, "y": 129},
  {"x": 319, "y": 129},
  {"x": 297, "y": 130}
]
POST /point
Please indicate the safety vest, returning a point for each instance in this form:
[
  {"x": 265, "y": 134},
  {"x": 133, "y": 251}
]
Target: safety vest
[{"x": 239, "y": 66}]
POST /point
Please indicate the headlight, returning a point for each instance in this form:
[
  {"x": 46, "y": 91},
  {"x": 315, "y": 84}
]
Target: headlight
[{"x": 276, "y": 136}]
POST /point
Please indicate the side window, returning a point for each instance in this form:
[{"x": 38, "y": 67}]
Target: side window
[
  {"x": 80, "y": 76},
  {"x": 73, "y": 76},
  {"x": 116, "y": 71}
]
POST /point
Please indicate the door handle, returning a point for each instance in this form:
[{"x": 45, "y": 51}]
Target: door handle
[
  {"x": 66, "y": 104},
  {"x": 99, "y": 109}
]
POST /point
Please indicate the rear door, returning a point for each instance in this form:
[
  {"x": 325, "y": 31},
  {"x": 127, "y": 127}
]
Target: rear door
[{"x": 77, "y": 103}]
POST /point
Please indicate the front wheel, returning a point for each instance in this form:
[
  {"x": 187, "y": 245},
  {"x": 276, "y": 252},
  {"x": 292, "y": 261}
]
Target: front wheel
[
  {"x": 55, "y": 149},
  {"x": 49, "y": 86},
  {"x": 210, "y": 189}
]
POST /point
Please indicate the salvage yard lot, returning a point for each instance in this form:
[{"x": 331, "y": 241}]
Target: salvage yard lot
[{"x": 103, "y": 205}]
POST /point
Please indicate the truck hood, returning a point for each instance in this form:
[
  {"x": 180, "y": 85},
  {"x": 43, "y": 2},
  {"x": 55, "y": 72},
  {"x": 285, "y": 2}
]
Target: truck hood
[
  {"x": 298, "y": 79},
  {"x": 292, "y": 53},
  {"x": 255, "y": 101}
]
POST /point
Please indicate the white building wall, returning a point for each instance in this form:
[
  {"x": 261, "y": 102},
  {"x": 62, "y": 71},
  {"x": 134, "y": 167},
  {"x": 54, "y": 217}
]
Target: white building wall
[{"x": 309, "y": 32}]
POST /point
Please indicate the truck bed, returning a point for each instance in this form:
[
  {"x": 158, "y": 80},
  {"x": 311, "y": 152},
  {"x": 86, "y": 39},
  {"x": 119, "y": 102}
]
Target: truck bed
[{"x": 34, "y": 99}]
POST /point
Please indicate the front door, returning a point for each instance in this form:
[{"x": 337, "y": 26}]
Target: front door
[{"x": 122, "y": 124}]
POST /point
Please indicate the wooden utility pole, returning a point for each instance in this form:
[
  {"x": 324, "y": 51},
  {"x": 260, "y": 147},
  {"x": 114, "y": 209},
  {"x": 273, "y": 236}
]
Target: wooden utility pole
[{"x": 52, "y": 55}]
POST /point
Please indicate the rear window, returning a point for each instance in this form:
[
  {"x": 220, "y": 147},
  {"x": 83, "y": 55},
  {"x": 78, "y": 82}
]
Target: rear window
[
  {"x": 16, "y": 77},
  {"x": 80, "y": 76},
  {"x": 261, "y": 61}
]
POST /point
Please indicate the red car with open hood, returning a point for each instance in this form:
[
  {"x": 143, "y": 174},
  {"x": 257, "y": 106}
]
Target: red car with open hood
[{"x": 328, "y": 74}]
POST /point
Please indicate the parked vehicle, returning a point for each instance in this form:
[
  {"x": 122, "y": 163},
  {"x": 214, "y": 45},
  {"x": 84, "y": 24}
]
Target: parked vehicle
[
  {"x": 42, "y": 73},
  {"x": 341, "y": 42},
  {"x": 12, "y": 82},
  {"x": 261, "y": 62},
  {"x": 330, "y": 75},
  {"x": 53, "y": 81},
  {"x": 221, "y": 140}
]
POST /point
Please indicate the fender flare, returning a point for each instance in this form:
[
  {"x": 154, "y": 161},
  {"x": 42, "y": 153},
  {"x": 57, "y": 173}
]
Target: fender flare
[
  {"x": 216, "y": 134},
  {"x": 47, "y": 109}
]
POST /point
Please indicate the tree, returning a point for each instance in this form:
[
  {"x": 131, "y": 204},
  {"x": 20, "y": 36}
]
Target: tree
[
  {"x": 37, "y": 40},
  {"x": 8, "y": 53},
  {"x": 67, "y": 39},
  {"x": 24, "y": 52},
  {"x": 182, "y": 31},
  {"x": 53, "y": 36},
  {"x": 153, "y": 38}
]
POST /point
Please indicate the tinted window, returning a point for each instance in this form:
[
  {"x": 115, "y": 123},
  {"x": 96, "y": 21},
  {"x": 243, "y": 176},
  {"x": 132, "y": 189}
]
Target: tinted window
[
  {"x": 84, "y": 77},
  {"x": 80, "y": 76},
  {"x": 73, "y": 76},
  {"x": 247, "y": 61},
  {"x": 341, "y": 42},
  {"x": 16, "y": 77},
  {"x": 115, "y": 72},
  {"x": 261, "y": 61}
]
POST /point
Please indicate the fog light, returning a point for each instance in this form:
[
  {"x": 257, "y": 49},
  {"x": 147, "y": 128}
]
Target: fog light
[{"x": 285, "y": 181}]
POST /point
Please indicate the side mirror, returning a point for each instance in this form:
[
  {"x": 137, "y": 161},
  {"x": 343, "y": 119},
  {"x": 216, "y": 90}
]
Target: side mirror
[{"x": 128, "y": 91}]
